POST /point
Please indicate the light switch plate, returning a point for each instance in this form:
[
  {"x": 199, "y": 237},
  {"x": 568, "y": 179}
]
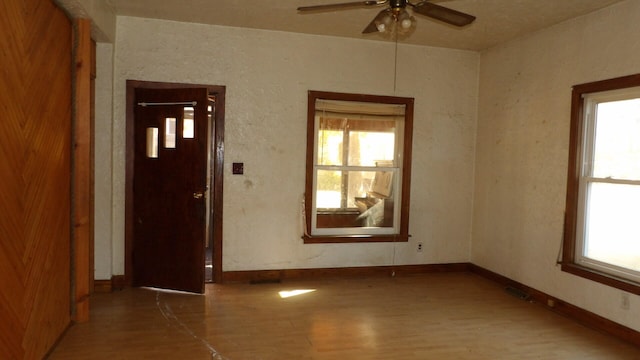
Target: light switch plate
[{"x": 237, "y": 168}]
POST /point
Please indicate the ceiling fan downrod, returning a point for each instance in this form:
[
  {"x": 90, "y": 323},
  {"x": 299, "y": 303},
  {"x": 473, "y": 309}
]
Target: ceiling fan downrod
[{"x": 396, "y": 5}]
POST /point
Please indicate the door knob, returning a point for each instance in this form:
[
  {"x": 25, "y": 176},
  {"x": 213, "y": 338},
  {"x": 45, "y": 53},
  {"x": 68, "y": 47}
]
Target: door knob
[{"x": 198, "y": 194}]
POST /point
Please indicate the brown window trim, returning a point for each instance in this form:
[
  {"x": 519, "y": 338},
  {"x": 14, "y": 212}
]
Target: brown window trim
[
  {"x": 575, "y": 150},
  {"x": 403, "y": 234},
  {"x": 326, "y": 239}
]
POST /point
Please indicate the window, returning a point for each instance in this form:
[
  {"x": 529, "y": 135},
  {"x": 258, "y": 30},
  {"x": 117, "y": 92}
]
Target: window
[
  {"x": 170, "y": 133},
  {"x": 358, "y": 167},
  {"x": 602, "y": 227},
  {"x": 152, "y": 142}
]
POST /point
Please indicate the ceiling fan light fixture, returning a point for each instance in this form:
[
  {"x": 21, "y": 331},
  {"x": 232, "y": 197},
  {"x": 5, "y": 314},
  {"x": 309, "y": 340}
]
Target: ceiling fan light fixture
[
  {"x": 384, "y": 20},
  {"x": 405, "y": 20}
]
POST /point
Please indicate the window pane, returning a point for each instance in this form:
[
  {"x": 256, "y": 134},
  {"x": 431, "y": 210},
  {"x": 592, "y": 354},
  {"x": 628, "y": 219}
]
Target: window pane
[
  {"x": 352, "y": 196},
  {"x": 170, "y": 133},
  {"x": 371, "y": 148},
  {"x": 152, "y": 142},
  {"x": 188, "y": 128},
  {"x": 329, "y": 189},
  {"x": 613, "y": 229},
  {"x": 330, "y": 147},
  {"x": 617, "y": 149},
  {"x": 379, "y": 214},
  {"x": 359, "y": 187},
  {"x": 375, "y": 209},
  {"x": 342, "y": 189}
]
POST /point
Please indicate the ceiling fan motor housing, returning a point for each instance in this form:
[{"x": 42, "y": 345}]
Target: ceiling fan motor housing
[{"x": 396, "y": 5}]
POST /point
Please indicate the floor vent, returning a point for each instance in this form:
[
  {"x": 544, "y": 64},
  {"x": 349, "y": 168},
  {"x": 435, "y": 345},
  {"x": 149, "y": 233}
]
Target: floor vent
[
  {"x": 264, "y": 281},
  {"x": 518, "y": 293}
]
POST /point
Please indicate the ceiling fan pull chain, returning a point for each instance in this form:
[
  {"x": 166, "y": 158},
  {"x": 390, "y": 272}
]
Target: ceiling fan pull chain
[{"x": 395, "y": 61}]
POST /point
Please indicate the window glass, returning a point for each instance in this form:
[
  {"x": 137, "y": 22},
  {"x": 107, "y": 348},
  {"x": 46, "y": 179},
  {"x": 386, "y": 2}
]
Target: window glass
[
  {"x": 170, "y": 133},
  {"x": 329, "y": 145},
  {"x": 613, "y": 229},
  {"x": 152, "y": 142},
  {"x": 329, "y": 189},
  {"x": 188, "y": 124},
  {"x": 617, "y": 149},
  {"x": 371, "y": 148}
]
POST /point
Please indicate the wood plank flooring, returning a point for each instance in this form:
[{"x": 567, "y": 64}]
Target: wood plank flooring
[{"x": 428, "y": 316}]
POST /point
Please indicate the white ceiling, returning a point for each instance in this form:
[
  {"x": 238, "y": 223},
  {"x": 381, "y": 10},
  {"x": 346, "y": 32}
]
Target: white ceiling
[{"x": 497, "y": 20}]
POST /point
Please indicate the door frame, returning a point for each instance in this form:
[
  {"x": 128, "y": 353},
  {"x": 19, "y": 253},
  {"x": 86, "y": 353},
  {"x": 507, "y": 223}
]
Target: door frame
[{"x": 217, "y": 167}]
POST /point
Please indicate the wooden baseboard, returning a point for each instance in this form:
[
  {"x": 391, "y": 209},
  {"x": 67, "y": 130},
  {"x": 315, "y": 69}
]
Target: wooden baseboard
[
  {"x": 117, "y": 282},
  {"x": 102, "y": 286},
  {"x": 258, "y": 276},
  {"x": 556, "y": 305}
]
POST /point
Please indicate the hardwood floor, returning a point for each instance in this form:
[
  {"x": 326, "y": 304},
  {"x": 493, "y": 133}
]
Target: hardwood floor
[{"x": 429, "y": 316}]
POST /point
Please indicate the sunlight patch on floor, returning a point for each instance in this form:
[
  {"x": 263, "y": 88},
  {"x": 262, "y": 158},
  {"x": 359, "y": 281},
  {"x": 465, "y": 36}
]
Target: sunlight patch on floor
[
  {"x": 290, "y": 293},
  {"x": 168, "y": 291}
]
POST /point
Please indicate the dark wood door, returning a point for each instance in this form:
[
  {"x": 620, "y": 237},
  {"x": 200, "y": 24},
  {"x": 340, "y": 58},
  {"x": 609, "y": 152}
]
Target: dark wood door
[{"x": 170, "y": 131}]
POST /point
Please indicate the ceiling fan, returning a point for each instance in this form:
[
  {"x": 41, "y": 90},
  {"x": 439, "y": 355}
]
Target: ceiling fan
[{"x": 396, "y": 12}]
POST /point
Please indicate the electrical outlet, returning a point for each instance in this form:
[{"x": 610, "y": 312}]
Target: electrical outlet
[
  {"x": 419, "y": 247},
  {"x": 624, "y": 301}
]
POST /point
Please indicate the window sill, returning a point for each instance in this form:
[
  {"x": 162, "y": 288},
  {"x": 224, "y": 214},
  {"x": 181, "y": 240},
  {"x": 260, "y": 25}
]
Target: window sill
[
  {"x": 327, "y": 239},
  {"x": 339, "y": 212},
  {"x": 601, "y": 277}
]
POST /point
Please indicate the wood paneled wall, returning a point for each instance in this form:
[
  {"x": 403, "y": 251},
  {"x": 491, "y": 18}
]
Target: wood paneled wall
[
  {"x": 84, "y": 59},
  {"x": 35, "y": 176}
]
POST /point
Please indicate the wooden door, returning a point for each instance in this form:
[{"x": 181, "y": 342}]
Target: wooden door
[{"x": 169, "y": 184}]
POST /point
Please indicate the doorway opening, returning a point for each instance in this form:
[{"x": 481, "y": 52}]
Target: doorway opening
[{"x": 200, "y": 198}]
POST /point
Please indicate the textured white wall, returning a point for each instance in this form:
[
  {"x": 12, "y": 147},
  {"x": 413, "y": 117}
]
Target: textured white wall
[
  {"x": 267, "y": 75},
  {"x": 522, "y": 149}
]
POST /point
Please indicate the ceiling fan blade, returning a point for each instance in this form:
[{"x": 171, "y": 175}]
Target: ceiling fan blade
[
  {"x": 373, "y": 25},
  {"x": 442, "y": 13},
  {"x": 371, "y": 28},
  {"x": 338, "y": 6}
]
